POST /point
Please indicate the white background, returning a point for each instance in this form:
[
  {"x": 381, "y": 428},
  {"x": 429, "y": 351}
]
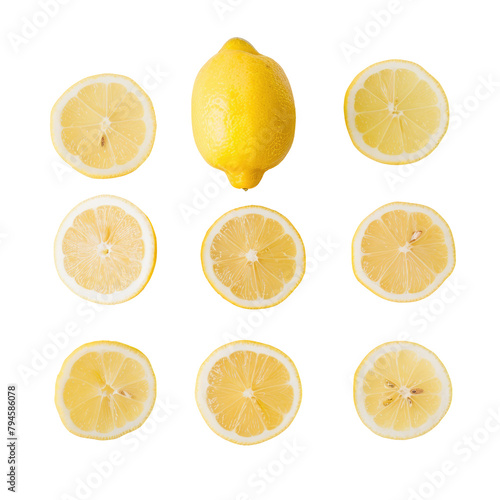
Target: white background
[{"x": 324, "y": 186}]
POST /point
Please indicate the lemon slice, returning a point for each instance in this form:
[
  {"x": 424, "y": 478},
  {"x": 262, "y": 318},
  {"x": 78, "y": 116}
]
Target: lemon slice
[
  {"x": 104, "y": 390},
  {"x": 401, "y": 390},
  {"x": 396, "y": 112},
  {"x": 253, "y": 257},
  {"x": 105, "y": 250},
  {"x": 103, "y": 126},
  {"x": 403, "y": 252},
  {"x": 248, "y": 392}
]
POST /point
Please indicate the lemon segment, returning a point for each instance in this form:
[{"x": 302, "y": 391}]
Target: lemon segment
[
  {"x": 105, "y": 250},
  {"x": 403, "y": 252},
  {"x": 243, "y": 113},
  {"x": 253, "y": 257},
  {"x": 104, "y": 390},
  {"x": 248, "y": 392},
  {"x": 104, "y": 126},
  {"x": 401, "y": 390},
  {"x": 396, "y": 112}
]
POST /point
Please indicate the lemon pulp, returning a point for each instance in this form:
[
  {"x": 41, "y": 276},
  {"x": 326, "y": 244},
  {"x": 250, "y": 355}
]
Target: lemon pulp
[
  {"x": 248, "y": 392},
  {"x": 401, "y": 390},
  {"x": 104, "y": 390},
  {"x": 396, "y": 112},
  {"x": 403, "y": 251},
  {"x": 253, "y": 257},
  {"x": 103, "y": 249},
  {"x": 104, "y": 126}
]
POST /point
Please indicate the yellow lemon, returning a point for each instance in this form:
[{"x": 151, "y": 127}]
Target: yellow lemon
[
  {"x": 403, "y": 252},
  {"x": 401, "y": 390},
  {"x": 396, "y": 112},
  {"x": 104, "y": 390},
  {"x": 104, "y": 126},
  {"x": 243, "y": 113},
  {"x": 248, "y": 392}
]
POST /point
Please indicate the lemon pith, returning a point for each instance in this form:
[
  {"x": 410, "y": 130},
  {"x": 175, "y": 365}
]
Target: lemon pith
[
  {"x": 243, "y": 113},
  {"x": 105, "y": 250},
  {"x": 401, "y": 390},
  {"x": 104, "y": 390},
  {"x": 248, "y": 392},
  {"x": 253, "y": 257},
  {"x": 396, "y": 112},
  {"x": 104, "y": 126},
  {"x": 403, "y": 252}
]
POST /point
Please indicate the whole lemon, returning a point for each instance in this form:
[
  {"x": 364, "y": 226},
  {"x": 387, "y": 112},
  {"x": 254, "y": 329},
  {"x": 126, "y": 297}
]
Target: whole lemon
[{"x": 243, "y": 113}]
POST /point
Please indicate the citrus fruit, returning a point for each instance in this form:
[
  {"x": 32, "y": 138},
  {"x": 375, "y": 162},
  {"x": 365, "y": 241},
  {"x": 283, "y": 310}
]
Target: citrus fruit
[
  {"x": 104, "y": 390},
  {"x": 401, "y": 390},
  {"x": 403, "y": 252},
  {"x": 396, "y": 112},
  {"x": 253, "y": 257},
  {"x": 248, "y": 392},
  {"x": 105, "y": 250},
  {"x": 243, "y": 113},
  {"x": 103, "y": 126}
]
